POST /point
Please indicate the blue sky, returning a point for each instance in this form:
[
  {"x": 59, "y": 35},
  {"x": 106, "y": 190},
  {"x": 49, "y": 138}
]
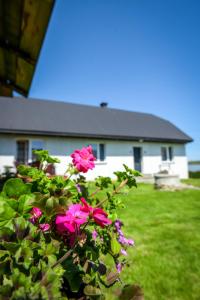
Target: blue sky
[{"x": 140, "y": 55}]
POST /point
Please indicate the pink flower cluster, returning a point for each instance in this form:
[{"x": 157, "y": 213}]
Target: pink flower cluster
[
  {"x": 77, "y": 215},
  {"x": 83, "y": 159},
  {"x": 98, "y": 214},
  {"x": 71, "y": 220},
  {"x": 36, "y": 214}
]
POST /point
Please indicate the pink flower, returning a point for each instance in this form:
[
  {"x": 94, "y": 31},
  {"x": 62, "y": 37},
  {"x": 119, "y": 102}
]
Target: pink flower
[
  {"x": 71, "y": 220},
  {"x": 36, "y": 214},
  {"x": 83, "y": 159},
  {"x": 123, "y": 252},
  {"x": 98, "y": 214},
  {"x": 130, "y": 242},
  {"x": 94, "y": 234},
  {"x": 44, "y": 227},
  {"x": 86, "y": 207},
  {"x": 119, "y": 267},
  {"x": 100, "y": 217}
]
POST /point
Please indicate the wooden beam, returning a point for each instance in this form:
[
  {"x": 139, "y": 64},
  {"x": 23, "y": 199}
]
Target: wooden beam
[
  {"x": 5, "y": 90},
  {"x": 11, "y": 85},
  {"x": 25, "y": 56}
]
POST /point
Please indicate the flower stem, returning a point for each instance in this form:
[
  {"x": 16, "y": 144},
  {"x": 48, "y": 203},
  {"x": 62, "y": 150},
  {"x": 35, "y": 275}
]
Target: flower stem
[{"x": 122, "y": 184}]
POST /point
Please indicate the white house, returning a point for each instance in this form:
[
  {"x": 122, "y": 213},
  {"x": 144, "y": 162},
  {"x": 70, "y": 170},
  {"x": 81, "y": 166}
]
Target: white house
[{"x": 144, "y": 142}]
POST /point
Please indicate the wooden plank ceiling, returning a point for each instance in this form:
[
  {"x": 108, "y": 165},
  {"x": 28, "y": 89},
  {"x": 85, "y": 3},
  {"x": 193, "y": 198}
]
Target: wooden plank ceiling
[{"x": 23, "y": 24}]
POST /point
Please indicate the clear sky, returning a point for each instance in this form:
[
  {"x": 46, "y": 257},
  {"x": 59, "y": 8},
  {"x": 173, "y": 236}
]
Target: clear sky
[{"x": 140, "y": 55}]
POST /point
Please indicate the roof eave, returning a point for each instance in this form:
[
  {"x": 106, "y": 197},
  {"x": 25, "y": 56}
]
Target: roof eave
[{"x": 95, "y": 136}]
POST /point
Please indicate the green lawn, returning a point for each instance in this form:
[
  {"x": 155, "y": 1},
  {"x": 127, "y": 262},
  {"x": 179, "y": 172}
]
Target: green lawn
[
  {"x": 166, "y": 230},
  {"x": 192, "y": 181}
]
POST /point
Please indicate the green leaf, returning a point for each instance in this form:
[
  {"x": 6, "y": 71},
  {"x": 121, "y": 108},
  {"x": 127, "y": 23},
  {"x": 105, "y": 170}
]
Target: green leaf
[
  {"x": 31, "y": 172},
  {"x": 5, "y": 292},
  {"x": 90, "y": 290},
  {"x": 87, "y": 278},
  {"x": 12, "y": 247},
  {"x": 52, "y": 286},
  {"x": 13, "y": 203},
  {"x": 6, "y": 233},
  {"x": 73, "y": 274},
  {"x": 34, "y": 271},
  {"x": 6, "y": 213},
  {"x": 25, "y": 203},
  {"x": 43, "y": 155},
  {"x": 103, "y": 182},
  {"x": 115, "y": 246},
  {"x": 3, "y": 253},
  {"x": 15, "y": 187},
  {"x": 19, "y": 294},
  {"x": 111, "y": 278},
  {"x": 21, "y": 227}
]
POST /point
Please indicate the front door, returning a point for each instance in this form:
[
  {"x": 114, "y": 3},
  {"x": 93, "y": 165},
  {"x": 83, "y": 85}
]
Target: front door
[{"x": 137, "y": 153}]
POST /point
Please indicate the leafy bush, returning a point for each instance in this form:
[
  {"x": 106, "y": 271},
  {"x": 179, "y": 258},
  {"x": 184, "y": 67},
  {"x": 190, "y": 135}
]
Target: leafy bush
[
  {"x": 55, "y": 235},
  {"x": 194, "y": 174}
]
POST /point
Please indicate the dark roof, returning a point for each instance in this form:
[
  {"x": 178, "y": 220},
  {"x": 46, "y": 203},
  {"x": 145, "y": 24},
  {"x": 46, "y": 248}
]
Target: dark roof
[
  {"x": 31, "y": 116},
  {"x": 23, "y": 25}
]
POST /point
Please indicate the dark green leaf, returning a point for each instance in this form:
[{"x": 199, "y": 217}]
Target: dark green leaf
[{"x": 15, "y": 187}]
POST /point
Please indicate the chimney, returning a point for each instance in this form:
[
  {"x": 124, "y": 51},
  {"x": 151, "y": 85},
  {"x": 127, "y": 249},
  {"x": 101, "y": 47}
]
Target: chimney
[{"x": 103, "y": 104}]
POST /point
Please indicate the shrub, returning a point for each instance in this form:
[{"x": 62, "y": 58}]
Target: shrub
[
  {"x": 194, "y": 174},
  {"x": 55, "y": 234}
]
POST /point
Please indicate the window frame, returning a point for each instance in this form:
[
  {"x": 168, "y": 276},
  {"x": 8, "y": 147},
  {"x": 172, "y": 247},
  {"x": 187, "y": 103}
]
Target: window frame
[
  {"x": 169, "y": 153},
  {"x": 98, "y": 158},
  {"x": 26, "y": 151}
]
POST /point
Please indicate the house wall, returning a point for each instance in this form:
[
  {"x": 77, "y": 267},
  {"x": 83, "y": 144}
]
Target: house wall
[{"x": 117, "y": 154}]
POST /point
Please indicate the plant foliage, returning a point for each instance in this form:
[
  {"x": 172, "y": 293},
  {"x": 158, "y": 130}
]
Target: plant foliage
[{"x": 43, "y": 257}]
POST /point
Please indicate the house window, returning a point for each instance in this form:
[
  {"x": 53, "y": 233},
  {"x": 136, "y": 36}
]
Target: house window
[
  {"x": 167, "y": 153},
  {"x": 94, "y": 150},
  {"x": 36, "y": 145},
  {"x": 170, "y": 153},
  {"x": 22, "y": 152},
  {"x": 164, "y": 153},
  {"x": 99, "y": 151}
]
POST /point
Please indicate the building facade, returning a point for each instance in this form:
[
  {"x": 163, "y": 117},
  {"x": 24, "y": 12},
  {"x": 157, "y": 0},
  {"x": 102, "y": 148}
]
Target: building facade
[
  {"x": 147, "y": 157},
  {"x": 144, "y": 142}
]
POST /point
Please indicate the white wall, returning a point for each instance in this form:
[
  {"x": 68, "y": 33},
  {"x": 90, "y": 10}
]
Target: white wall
[
  {"x": 7, "y": 152},
  {"x": 117, "y": 153},
  {"x": 152, "y": 162}
]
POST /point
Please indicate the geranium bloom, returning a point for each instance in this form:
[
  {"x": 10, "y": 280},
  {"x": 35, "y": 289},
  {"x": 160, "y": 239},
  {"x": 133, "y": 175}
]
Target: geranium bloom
[
  {"x": 36, "y": 214},
  {"x": 100, "y": 217},
  {"x": 71, "y": 220},
  {"x": 44, "y": 227},
  {"x": 83, "y": 159},
  {"x": 98, "y": 214},
  {"x": 86, "y": 207}
]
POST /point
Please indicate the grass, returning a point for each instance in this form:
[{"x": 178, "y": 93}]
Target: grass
[
  {"x": 192, "y": 181},
  {"x": 166, "y": 229}
]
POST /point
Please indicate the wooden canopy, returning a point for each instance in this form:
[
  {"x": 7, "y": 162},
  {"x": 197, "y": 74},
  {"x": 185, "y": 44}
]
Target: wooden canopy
[{"x": 23, "y": 24}]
